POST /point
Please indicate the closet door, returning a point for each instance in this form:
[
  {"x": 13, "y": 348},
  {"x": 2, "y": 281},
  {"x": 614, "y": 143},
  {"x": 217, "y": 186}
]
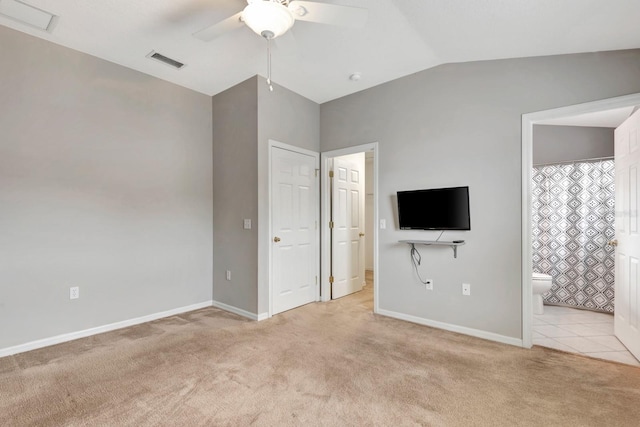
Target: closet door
[{"x": 294, "y": 216}]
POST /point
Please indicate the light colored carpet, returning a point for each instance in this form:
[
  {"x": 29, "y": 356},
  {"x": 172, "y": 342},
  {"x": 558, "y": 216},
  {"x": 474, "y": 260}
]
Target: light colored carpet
[{"x": 323, "y": 364}]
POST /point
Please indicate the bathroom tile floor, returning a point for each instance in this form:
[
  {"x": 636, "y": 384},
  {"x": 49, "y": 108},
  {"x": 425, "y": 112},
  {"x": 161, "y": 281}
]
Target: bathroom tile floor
[{"x": 580, "y": 331}]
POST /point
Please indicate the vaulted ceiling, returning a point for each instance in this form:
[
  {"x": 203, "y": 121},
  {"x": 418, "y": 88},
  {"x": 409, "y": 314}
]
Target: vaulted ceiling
[{"x": 400, "y": 37}]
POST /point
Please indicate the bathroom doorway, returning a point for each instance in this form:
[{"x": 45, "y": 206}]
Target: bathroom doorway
[{"x": 570, "y": 198}]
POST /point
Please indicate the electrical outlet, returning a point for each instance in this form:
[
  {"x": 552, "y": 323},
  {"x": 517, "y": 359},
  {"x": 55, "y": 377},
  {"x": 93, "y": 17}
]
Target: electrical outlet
[
  {"x": 383, "y": 224},
  {"x": 228, "y": 274},
  {"x": 74, "y": 292},
  {"x": 247, "y": 224},
  {"x": 429, "y": 284},
  {"x": 466, "y": 289}
]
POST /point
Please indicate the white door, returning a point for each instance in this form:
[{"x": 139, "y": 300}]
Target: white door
[
  {"x": 347, "y": 234},
  {"x": 294, "y": 240},
  {"x": 627, "y": 296}
]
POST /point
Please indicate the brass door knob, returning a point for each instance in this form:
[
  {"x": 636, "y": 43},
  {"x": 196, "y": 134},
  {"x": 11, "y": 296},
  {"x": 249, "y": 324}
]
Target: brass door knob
[
  {"x": 613, "y": 242},
  {"x": 276, "y": 239},
  {"x": 361, "y": 234}
]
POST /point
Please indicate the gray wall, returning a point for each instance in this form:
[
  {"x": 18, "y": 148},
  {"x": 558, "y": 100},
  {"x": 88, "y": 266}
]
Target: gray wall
[
  {"x": 245, "y": 118},
  {"x": 460, "y": 124},
  {"x": 553, "y": 144},
  {"x": 235, "y": 195},
  {"x": 105, "y": 184}
]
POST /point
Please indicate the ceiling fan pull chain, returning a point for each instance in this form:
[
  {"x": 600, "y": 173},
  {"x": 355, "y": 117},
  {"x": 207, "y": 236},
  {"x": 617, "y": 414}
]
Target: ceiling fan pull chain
[{"x": 269, "y": 64}]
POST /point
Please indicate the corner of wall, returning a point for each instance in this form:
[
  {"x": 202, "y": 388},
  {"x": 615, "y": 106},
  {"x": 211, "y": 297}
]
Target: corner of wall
[{"x": 235, "y": 176}]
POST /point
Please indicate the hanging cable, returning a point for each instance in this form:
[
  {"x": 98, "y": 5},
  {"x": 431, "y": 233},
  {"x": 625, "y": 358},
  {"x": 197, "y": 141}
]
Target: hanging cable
[
  {"x": 416, "y": 259},
  {"x": 269, "y": 61},
  {"x": 442, "y": 232}
]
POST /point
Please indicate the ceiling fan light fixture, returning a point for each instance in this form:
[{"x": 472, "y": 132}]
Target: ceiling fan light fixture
[{"x": 267, "y": 18}]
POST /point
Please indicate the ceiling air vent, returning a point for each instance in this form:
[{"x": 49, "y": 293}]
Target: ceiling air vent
[
  {"x": 29, "y": 15},
  {"x": 165, "y": 60}
]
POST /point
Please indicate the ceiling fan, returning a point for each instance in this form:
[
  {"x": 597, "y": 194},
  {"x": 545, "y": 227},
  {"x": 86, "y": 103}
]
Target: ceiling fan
[{"x": 272, "y": 18}]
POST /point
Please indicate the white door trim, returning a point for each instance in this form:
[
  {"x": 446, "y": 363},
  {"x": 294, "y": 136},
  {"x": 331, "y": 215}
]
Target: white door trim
[
  {"x": 528, "y": 120},
  {"x": 326, "y": 214},
  {"x": 282, "y": 145}
]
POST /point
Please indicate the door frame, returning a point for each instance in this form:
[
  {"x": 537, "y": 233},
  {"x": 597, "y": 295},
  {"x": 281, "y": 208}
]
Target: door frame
[
  {"x": 528, "y": 120},
  {"x": 325, "y": 238},
  {"x": 281, "y": 145}
]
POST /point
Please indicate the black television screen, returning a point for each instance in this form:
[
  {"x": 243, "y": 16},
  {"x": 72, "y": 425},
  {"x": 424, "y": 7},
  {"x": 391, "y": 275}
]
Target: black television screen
[{"x": 434, "y": 209}]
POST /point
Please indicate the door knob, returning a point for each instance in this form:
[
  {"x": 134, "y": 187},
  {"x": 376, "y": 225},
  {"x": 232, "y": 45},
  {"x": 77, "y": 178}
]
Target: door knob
[
  {"x": 613, "y": 242},
  {"x": 276, "y": 239},
  {"x": 361, "y": 234}
]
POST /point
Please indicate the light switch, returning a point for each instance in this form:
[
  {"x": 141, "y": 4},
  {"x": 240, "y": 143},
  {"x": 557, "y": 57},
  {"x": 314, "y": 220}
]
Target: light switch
[
  {"x": 247, "y": 224},
  {"x": 383, "y": 224}
]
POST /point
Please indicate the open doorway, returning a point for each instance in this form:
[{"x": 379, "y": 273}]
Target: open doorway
[
  {"x": 568, "y": 232},
  {"x": 349, "y": 212},
  {"x": 347, "y": 236}
]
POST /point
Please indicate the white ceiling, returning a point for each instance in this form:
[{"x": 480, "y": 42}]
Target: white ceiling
[
  {"x": 401, "y": 37},
  {"x": 602, "y": 119}
]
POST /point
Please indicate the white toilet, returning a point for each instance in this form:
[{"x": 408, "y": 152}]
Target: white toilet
[{"x": 540, "y": 283}]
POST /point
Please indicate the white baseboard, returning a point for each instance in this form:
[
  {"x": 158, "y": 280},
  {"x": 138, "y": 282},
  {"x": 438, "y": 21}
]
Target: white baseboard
[
  {"x": 236, "y": 310},
  {"x": 33, "y": 345},
  {"x": 454, "y": 328},
  {"x": 263, "y": 316}
]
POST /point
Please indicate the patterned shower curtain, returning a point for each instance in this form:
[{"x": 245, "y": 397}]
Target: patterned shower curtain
[{"x": 573, "y": 219}]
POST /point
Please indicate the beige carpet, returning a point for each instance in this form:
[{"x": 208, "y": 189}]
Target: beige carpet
[{"x": 323, "y": 364}]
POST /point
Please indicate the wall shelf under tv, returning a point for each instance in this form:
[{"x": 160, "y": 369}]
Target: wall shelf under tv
[{"x": 452, "y": 245}]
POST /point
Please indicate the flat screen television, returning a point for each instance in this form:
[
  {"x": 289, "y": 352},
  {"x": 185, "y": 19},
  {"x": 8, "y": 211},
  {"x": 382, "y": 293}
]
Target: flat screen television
[{"x": 434, "y": 209}]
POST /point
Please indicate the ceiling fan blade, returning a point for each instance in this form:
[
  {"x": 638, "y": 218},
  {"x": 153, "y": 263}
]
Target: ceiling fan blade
[
  {"x": 216, "y": 30},
  {"x": 323, "y": 13}
]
